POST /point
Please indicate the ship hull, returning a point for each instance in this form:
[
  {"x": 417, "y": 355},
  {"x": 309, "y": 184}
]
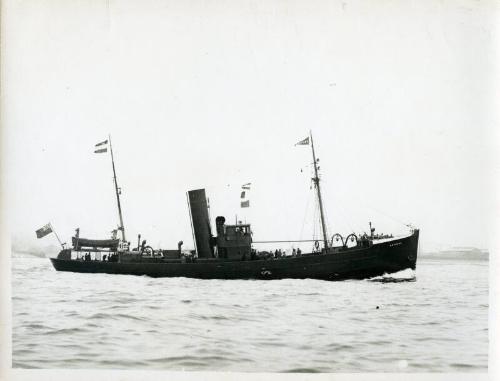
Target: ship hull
[{"x": 355, "y": 263}]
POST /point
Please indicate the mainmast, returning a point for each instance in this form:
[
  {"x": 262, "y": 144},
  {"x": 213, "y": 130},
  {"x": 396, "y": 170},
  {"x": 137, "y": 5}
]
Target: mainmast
[
  {"x": 318, "y": 190},
  {"x": 117, "y": 190}
]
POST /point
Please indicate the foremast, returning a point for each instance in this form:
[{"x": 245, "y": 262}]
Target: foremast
[
  {"x": 318, "y": 192},
  {"x": 117, "y": 190}
]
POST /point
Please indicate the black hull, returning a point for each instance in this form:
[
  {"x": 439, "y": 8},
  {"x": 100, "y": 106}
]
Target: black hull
[{"x": 355, "y": 263}]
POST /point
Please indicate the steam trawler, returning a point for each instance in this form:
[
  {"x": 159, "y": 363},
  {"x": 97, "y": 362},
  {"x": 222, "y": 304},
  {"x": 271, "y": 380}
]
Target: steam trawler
[{"x": 230, "y": 253}]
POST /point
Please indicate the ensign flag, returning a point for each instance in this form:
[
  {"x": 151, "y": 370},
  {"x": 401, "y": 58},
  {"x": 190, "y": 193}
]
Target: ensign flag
[{"x": 42, "y": 232}]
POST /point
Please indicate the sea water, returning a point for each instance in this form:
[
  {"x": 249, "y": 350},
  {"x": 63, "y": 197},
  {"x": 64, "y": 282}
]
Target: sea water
[{"x": 434, "y": 319}]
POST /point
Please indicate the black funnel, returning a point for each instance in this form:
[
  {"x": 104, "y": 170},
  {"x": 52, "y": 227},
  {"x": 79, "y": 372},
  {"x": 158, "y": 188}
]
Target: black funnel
[{"x": 200, "y": 222}]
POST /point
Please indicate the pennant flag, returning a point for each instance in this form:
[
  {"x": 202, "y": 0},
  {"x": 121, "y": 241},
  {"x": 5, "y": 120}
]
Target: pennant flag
[
  {"x": 242, "y": 194},
  {"x": 42, "y": 232},
  {"x": 101, "y": 149},
  {"x": 245, "y": 204},
  {"x": 246, "y": 186},
  {"x": 304, "y": 142}
]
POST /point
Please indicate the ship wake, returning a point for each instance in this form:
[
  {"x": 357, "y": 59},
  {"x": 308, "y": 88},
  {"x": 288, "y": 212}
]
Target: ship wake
[{"x": 407, "y": 275}]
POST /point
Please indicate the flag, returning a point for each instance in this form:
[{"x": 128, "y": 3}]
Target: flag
[
  {"x": 245, "y": 203},
  {"x": 101, "y": 149},
  {"x": 304, "y": 142},
  {"x": 42, "y": 232}
]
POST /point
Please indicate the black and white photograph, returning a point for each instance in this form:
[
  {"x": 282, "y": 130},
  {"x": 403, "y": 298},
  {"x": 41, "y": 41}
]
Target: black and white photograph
[{"x": 249, "y": 188}]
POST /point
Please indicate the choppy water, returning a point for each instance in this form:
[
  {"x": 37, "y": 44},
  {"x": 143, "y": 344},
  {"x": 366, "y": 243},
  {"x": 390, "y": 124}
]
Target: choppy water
[{"x": 434, "y": 322}]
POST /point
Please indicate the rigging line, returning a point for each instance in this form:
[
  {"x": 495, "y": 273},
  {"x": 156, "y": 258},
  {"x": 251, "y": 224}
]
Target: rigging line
[
  {"x": 349, "y": 222},
  {"x": 383, "y": 213},
  {"x": 325, "y": 213},
  {"x": 325, "y": 182},
  {"x": 338, "y": 208},
  {"x": 315, "y": 220},
  {"x": 360, "y": 201},
  {"x": 329, "y": 224},
  {"x": 305, "y": 215},
  {"x": 315, "y": 207},
  {"x": 346, "y": 220},
  {"x": 364, "y": 203},
  {"x": 325, "y": 209},
  {"x": 290, "y": 240}
]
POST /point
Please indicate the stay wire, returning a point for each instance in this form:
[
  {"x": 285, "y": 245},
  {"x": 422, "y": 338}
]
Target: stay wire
[
  {"x": 305, "y": 216},
  {"x": 379, "y": 211}
]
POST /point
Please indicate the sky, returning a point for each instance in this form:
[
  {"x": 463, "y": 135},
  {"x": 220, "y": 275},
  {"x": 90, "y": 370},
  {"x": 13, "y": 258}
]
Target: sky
[{"x": 399, "y": 96}]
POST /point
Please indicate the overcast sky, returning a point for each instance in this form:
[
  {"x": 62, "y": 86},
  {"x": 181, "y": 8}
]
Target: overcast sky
[{"x": 399, "y": 96}]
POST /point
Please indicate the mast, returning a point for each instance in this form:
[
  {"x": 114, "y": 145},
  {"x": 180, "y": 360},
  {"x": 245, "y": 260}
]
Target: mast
[
  {"x": 117, "y": 190},
  {"x": 318, "y": 190}
]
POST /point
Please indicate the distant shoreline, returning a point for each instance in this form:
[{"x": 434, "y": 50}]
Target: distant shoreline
[
  {"x": 460, "y": 255},
  {"x": 26, "y": 254}
]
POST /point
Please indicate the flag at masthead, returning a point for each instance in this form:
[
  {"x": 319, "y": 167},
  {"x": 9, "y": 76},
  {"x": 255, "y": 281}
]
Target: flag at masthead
[
  {"x": 99, "y": 147},
  {"x": 304, "y": 142}
]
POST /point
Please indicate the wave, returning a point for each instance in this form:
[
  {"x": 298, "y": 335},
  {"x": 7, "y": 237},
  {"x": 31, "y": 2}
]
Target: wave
[
  {"x": 37, "y": 326},
  {"x": 187, "y": 358},
  {"x": 64, "y": 331},
  {"x": 302, "y": 370}
]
